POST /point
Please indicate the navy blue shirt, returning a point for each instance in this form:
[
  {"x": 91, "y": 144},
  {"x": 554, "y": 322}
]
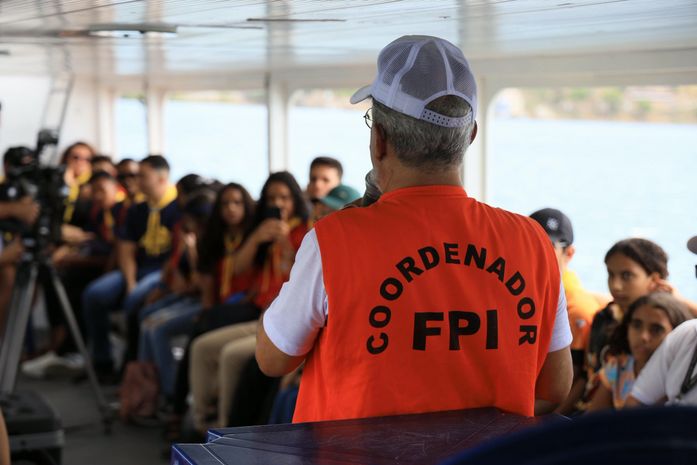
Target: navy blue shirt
[{"x": 154, "y": 245}]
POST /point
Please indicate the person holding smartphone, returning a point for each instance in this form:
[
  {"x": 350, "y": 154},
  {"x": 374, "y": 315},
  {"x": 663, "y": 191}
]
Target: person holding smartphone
[{"x": 282, "y": 219}]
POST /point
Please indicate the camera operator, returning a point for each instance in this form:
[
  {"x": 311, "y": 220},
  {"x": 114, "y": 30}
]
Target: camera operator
[
  {"x": 17, "y": 212},
  {"x": 13, "y": 203}
]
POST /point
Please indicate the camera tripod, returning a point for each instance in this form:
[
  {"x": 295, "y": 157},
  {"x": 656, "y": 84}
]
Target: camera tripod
[{"x": 19, "y": 309}]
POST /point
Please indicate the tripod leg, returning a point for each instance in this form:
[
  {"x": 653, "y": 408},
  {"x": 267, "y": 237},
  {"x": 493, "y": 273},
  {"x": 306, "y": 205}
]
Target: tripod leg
[
  {"x": 105, "y": 410},
  {"x": 15, "y": 329}
]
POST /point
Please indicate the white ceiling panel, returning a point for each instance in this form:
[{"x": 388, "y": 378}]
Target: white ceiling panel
[{"x": 222, "y": 36}]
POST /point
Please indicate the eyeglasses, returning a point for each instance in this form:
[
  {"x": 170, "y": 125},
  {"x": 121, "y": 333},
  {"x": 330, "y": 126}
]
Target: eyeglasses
[
  {"x": 368, "y": 118},
  {"x": 126, "y": 176}
]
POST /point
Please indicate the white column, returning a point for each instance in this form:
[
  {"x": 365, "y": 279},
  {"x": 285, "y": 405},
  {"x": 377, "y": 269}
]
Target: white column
[
  {"x": 105, "y": 119},
  {"x": 154, "y": 106},
  {"x": 475, "y": 166},
  {"x": 277, "y": 123}
]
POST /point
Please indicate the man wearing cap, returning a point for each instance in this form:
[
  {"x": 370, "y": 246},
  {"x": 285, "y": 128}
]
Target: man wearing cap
[
  {"x": 582, "y": 305},
  {"x": 427, "y": 300}
]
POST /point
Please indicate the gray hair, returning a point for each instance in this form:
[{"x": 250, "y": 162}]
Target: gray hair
[{"x": 423, "y": 145}]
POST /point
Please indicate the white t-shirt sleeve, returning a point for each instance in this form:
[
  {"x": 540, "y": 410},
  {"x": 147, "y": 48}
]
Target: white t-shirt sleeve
[
  {"x": 561, "y": 334},
  {"x": 300, "y": 310}
]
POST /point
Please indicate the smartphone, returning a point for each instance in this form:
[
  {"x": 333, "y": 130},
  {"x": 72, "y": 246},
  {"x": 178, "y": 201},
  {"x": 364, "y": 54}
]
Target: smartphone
[{"x": 272, "y": 213}]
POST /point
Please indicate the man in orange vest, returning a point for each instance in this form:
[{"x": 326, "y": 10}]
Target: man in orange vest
[{"x": 427, "y": 300}]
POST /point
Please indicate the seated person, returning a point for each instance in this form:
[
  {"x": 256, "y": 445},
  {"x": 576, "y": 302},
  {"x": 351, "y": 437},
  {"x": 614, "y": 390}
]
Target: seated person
[
  {"x": 167, "y": 318},
  {"x": 223, "y": 284},
  {"x": 670, "y": 377},
  {"x": 104, "y": 163},
  {"x": 581, "y": 304},
  {"x": 635, "y": 267},
  {"x": 78, "y": 170},
  {"x": 17, "y": 211},
  {"x": 77, "y": 264},
  {"x": 644, "y": 326},
  {"x": 325, "y": 175},
  {"x": 127, "y": 175},
  {"x": 144, "y": 245},
  {"x": 225, "y": 351}
]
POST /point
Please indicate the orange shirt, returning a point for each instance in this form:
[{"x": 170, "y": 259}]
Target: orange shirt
[
  {"x": 582, "y": 308},
  {"x": 436, "y": 302},
  {"x": 270, "y": 277}
]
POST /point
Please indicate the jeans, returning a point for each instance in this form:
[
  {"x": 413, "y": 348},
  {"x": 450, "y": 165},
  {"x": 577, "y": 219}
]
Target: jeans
[
  {"x": 103, "y": 296},
  {"x": 158, "y": 330}
]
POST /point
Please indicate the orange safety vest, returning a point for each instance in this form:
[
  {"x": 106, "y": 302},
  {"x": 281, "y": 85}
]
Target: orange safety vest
[{"x": 436, "y": 302}]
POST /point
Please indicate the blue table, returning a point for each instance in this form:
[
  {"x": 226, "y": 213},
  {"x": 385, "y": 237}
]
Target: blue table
[{"x": 424, "y": 439}]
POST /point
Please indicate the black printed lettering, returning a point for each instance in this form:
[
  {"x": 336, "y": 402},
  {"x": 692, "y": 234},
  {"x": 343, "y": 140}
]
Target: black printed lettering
[
  {"x": 526, "y": 308},
  {"x": 516, "y": 285},
  {"x": 396, "y": 289},
  {"x": 408, "y": 268},
  {"x": 377, "y": 349},
  {"x": 383, "y": 320},
  {"x": 472, "y": 325},
  {"x": 479, "y": 256},
  {"x": 498, "y": 268},
  {"x": 421, "y": 329},
  {"x": 492, "y": 329},
  {"x": 429, "y": 257},
  {"x": 529, "y": 334},
  {"x": 451, "y": 251}
]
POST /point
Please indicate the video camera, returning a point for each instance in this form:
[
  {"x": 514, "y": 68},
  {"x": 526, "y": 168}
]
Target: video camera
[{"x": 26, "y": 176}]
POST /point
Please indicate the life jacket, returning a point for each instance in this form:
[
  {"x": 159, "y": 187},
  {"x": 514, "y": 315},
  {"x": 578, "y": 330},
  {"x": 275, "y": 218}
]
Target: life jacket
[{"x": 435, "y": 302}]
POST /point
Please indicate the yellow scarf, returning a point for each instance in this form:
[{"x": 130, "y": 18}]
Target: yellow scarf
[
  {"x": 108, "y": 225},
  {"x": 231, "y": 245},
  {"x": 157, "y": 238},
  {"x": 272, "y": 264},
  {"x": 73, "y": 194}
]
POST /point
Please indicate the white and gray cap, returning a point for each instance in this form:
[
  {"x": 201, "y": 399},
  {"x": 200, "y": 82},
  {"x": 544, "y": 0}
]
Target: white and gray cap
[{"x": 415, "y": 70}]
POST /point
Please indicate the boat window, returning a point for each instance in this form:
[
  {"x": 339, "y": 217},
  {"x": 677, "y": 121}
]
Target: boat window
[
  {"x": 323, "y": 122},
  {"x": 619, "y": 161},
  {"x": 130, "y": 126},
  {"x": 218, "y": 134}
]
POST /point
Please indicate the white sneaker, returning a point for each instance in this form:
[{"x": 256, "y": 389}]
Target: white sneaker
[
  {"x": 50, "y": 365},
  {"x": 36, "y": 368}
]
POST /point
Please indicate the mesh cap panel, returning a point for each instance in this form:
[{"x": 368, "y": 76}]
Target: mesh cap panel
[
  {"x": 396, "y": 61},
  {"x": 421, "y": 81},
  {"x": 414, "y": 70}
]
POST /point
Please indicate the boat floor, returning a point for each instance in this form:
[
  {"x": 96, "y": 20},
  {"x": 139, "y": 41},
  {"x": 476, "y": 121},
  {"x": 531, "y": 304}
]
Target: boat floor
[{"x": 85, "y": 440}]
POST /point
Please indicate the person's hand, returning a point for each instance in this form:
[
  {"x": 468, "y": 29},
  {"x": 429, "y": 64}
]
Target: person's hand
[
  {"x": 154, "y": 295},
  {"x": 74, "y": 235},
  {"x": 178, "y": 284},
  {"x": 270, "y": 230},
  {"x": 130, "y": 287},
  {"x": 61, "y": 255},
  {"x": 189, "y": 240},
  {"x": 26, "y": 210},
  {"x": 664, "y": 286}
]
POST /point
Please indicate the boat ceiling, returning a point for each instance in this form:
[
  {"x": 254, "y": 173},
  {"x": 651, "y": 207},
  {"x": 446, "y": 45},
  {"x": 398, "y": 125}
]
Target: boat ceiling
[{"x": 251, "y": 36}]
